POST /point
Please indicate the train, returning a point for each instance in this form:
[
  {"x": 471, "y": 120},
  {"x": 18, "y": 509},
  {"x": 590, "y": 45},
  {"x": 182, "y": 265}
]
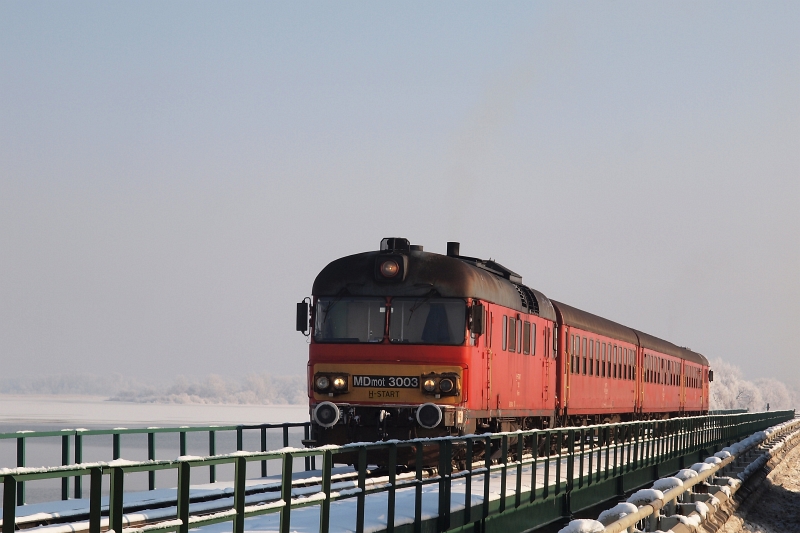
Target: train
[{"x": 406, "y": 344}]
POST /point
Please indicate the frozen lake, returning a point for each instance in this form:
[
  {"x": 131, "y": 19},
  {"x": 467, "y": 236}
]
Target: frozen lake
[
  {"x": 48, "y": 413},
  {"x": 60, "y": 411}
]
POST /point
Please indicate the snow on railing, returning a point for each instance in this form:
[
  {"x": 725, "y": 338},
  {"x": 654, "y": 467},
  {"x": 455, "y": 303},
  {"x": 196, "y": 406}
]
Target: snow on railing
[{"x": 674, "y": 494}]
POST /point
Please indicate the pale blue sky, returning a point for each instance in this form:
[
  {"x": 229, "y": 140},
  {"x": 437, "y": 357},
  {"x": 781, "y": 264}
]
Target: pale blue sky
[{"x": 174, "y": 175}]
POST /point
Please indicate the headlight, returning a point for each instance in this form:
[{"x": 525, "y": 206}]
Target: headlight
[
  {"x": 429, "y": 385},
  {"x": 446, "y": 385},
  {"x": 323, "y": 383},
  {"x": 389, "y": 269},
  {"x": 339, "y": 383}
]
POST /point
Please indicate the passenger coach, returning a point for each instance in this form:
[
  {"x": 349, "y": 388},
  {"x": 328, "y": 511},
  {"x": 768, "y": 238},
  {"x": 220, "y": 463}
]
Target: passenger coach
[{"x": 407, "y": 343}]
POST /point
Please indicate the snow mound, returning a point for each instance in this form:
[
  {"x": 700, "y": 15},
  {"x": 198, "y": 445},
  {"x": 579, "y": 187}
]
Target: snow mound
[
  {"x": 723, "y": 454},
  {"x": 645, "y": 496},
  {"x": 583, "y": 526},
  {"x": 701, "y": 467},
  {"x": 693, "y": 520},
  {"x": 666, "y": 483},
  {"x": 685, "y": 474},
  {"x": 702, "y": 509},
  {"x": 713, "y": 460},
  {"x": 609, "y": 516}
]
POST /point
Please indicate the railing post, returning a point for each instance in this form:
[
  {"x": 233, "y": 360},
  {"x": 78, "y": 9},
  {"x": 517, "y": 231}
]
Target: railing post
[
  {"x": 503, "y": 471},
  {"x": 95, "y": 498},
  {"x": 115, "y": 499},
  {"x": 151, "y": 455},
  {"x": 570, "y": 460},
  {"x": 240, "y": 475},
  {"x": 362, "y": 485},
  {"x": 184, "y": 485},
  {"x": 390, "y": 508},
  {"x": 468, "y": 481},
  {"x": 64, "y": 462},
  {"x": 487, "y": 476},
  {"x": 116, "y": 448},
  {"x": 548, "y": 445},
  {"x": 444, "y": 485},
  {"x": 309, "y": 459},
  {"x": 78, "y": 485},
  {"x": 20, "y": 463},
  {"x": 420, "y": 457},
  {"x": 9, "y": 504},
  {"x": 534, "y": 462},
  {"x": 182, "y": 443},
  {"x": 520, "y": 452},
  {"x": 239, "y": 438},
  {"x": 325, "y": 506},
  {"x": 212, "y": 450},
  {"x": 263, "y": 449},
  {"x": 286, "y": 492}
]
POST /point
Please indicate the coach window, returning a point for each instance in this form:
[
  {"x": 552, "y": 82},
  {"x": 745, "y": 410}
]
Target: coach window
[
  {"x": 602, "y": 369},
  {"x": 533, "y": 339},
  {"x": 490, "y": 316},
  {"x": 505, "y": 332},
  {"x": 519, "y": 336},
  {"x": 512, "y": 335},
  {"x": 591, "y": 357},
  {"x": 526, "y": 337},
  {"x": 572, "y": 358},
  {"x": 585, "y": 354}
]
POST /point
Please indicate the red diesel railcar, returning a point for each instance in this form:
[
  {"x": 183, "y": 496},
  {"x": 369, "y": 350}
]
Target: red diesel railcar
[{"x": 407, "y": 343}]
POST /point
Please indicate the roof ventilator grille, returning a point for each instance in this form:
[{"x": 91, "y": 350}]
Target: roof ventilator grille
[{"x": 528, "y": 299}]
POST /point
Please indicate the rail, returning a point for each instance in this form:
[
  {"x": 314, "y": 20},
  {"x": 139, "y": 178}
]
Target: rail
[
  {"x": 73, "y": 439},
  {"x": 558, "y": 461}
]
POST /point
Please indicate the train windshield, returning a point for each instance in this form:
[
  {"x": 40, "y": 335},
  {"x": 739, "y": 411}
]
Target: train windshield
[
  {"x": 428, "y": 320},
  {"x": 350, "y": 320}
]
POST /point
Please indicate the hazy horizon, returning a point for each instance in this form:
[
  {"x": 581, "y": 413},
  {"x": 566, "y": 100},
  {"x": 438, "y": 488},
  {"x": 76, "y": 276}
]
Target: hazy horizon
[{"x": 174, "y": 175}]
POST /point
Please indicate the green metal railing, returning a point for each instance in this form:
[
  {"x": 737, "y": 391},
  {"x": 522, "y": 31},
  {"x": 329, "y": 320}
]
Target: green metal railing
[
  {"x": 566, "y": 461},
  {"x": 73, "y": 440}
]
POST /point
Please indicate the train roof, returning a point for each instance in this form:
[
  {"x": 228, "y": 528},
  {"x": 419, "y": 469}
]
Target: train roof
[
  {"x": 602, "y": 326},
  {"x": 660, "y": 345},
  {"x": 445, "y": 276},
  {"x": 596, "y": 324}
]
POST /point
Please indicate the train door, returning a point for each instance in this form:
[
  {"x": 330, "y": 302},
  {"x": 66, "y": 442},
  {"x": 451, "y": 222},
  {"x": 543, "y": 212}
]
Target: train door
[
  {"x": 682, "y": 384},
  {"x": 489, "y": 356},
  {"x": 546, "y": 358}
]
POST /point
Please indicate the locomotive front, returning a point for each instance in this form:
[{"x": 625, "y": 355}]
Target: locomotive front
[{"x": 392, "y": 335}]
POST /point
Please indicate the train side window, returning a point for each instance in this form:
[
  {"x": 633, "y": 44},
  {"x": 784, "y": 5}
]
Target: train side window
[
  {"x": 519, "y": 336},
  {"x": 603, "y": 361},
  {"x": 491, "y": 328},
  {"x": 512, "y": 335},
  {"x": 591, "y": 357},
  {"x": 572, "y": 368},
  {"x": 533, "y": 339},
  {"x": 614, "y": 371},
  {"x": 505, "y": 332},
  {"x": 526, "y": 337},
  {"x": 625, "y": 363},
  {"x": 585, "y": 354}
]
